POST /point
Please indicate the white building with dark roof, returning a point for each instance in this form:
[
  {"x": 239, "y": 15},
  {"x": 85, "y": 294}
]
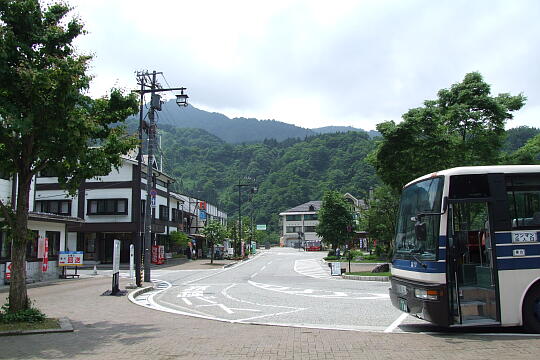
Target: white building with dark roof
[{"x": 299, "y": 223}]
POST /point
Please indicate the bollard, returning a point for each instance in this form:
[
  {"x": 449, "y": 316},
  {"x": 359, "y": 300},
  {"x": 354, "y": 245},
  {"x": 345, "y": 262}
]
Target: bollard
[{"x": 95, "y": 270}]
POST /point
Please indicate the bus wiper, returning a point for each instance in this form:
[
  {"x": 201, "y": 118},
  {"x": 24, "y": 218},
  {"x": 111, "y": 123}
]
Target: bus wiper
[{"x": 418, "y": 260}]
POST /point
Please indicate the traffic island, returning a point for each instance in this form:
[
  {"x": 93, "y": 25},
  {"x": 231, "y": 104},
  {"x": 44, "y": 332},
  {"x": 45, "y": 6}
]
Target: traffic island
[{"x": 366, "y": 278}]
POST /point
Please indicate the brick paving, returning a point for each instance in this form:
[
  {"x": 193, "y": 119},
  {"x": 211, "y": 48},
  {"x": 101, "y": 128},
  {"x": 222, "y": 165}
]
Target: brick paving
[{"x": 108, "y": 327}]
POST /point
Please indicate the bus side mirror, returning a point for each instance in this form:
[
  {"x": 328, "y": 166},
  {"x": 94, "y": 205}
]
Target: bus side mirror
[{"x": 420, "y": 231}]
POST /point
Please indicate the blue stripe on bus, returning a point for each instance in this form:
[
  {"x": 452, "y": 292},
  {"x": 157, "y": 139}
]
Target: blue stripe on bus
[
  {"x": 506, "y": 238},
  {"x": 503, "y": 238},
  {"x": 529, "y": 249},
  {"x": 442, "y": 241},
  {"x": 518, "y": 263},
  {"x": 412, "y": 265}
]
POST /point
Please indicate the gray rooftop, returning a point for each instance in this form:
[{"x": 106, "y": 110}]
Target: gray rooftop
[{"x": 305, "y": 207}]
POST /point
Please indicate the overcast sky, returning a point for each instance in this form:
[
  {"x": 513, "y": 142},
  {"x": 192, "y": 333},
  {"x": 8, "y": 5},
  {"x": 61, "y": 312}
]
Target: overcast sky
[{"x": 316, "y": 63}]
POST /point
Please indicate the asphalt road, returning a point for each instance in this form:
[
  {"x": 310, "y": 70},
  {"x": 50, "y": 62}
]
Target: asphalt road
[{"x": 280, "y": 286}]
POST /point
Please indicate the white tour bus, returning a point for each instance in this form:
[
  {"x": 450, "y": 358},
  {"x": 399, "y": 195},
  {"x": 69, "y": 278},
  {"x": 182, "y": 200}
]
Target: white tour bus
[{"x": 467, "y": 251}]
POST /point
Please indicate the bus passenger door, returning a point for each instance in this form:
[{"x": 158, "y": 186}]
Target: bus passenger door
[{"x": 471, "y": 274}]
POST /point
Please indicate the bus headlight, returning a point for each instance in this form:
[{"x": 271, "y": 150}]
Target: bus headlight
[{"x": 426, "y": 294}]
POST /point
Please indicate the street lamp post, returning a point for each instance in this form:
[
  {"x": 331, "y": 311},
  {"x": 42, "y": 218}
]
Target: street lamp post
[{"x": 149, "y": 85}]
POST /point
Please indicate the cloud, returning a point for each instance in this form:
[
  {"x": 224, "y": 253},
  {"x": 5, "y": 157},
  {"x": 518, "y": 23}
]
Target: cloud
[{"x": 313, "y": 63}]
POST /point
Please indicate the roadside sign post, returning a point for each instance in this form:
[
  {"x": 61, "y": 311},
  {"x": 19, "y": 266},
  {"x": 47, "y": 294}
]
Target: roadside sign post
[
  {"x": 70, "y": 258},
  {"x": 335, "y": 270},
  {"x": 116, "y": 268},
  {"x": 132, "y": 266}
]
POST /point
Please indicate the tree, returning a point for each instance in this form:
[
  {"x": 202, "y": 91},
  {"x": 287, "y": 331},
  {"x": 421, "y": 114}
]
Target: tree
[
  {"x": 215, "y": 233},
  {"x": 179, "y": 239},
  {"x": 463, "y": 126},
  {"x": 46, "y": 120},
  {"x": 335, "y": 220},
  {"x": 379, "y": 219},
  {"x": 528, "y": 154}
]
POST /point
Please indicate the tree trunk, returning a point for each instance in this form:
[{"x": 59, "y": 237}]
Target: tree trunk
[
  {"x": 18, "y": 297},
  {"x": 212, "y": 254}
]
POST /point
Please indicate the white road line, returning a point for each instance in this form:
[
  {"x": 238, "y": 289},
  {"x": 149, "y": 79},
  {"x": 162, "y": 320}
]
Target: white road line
[
  {"x": 253, "y": 275},
  {"x": 187, "y": 301},
  {"x": 264, "y": 267},
  {"x": 396, "y": 323},
  {"x": 269, "y": 263},
  {"x": 222, "y": 271},
  {"x": 311, "y": 268}
]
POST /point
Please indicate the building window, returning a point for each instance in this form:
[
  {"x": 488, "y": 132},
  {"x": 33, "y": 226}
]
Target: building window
[
  {"x": 4, "y": 175},
  {"x": 5, "y": 246},
  {"x": 293, "y": 229},
  {"x": 309, "y": 229},
  {"x": 48, "y": 172},
  {"x": 107, "y": 207},
  {"x": 59, "y": 207},
  {"x": 293, "y": 217},
  {"x": 32, "y": 245},
  {"x": 163, "y": 213},
  {"x": 161, "y": 183},
  {"x": 310, "y": 217},
  {"x": 54, "y": 243}
]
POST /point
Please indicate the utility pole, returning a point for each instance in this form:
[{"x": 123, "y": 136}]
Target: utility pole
[
  {"x": 155, "y": 104},
  {"x": 240, "y": 185}
]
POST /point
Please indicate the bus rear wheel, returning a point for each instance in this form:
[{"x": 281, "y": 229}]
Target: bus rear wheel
[{"x": 531, "y": 311}]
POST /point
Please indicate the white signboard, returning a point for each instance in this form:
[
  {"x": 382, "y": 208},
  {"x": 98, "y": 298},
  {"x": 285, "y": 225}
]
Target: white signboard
[
  {"x": 70, "y": 258},
  {"x": 524, "y": 236},
  {"x": 230, "y": 251},
  {"x": 261, "y": 227},
  {"x": 116, "y": 257},
  {"x": 335, "y": 270}
]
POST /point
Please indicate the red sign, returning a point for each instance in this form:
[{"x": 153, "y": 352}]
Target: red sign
[
  {"x": 45, "y": 264},
  {"x": 8, "y": 270},
  {"x": 155, "y": 254},
  {"x": 202, "y": 205}
]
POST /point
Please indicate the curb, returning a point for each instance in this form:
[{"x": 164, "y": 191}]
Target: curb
[
  {"x": 65, "y": 326},
  {"x": 229, "y": 265},
  {"x": 366, "y": 278},
  {"x": 141, "y": 291}
]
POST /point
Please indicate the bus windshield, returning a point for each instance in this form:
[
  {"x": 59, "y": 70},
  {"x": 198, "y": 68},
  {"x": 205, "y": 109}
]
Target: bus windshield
[{"x": 421, "y": 197}]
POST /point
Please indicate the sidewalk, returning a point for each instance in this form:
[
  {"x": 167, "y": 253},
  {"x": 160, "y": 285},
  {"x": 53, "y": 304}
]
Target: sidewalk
[
  {"x": 109, "y": 327},
  {"x": 175, "y": 264}
]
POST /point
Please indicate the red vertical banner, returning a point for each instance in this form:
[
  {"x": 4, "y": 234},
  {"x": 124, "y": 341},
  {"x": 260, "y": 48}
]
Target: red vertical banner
[
  {"x": 45, "y": 264},
  {"x": 155, "y": 254}
]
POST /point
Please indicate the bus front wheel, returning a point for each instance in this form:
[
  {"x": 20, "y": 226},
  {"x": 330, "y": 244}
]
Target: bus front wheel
[{"x": 531, "y": 310}]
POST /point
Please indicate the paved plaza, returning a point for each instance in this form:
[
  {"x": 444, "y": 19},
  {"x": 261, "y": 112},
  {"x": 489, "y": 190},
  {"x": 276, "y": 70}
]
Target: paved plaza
[{"x": 110, "y": 327}]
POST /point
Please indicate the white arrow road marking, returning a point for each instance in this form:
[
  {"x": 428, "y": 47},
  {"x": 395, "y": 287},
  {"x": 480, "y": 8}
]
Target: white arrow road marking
[
  {"x": 208, "y": 301},
  {"x": 223, "y": 307},
  {"x": 192, "y": 291},
  {"x": 187, "y": 301}
]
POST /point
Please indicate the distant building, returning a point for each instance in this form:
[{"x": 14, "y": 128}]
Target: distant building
[{"x": 299, "y": 223}]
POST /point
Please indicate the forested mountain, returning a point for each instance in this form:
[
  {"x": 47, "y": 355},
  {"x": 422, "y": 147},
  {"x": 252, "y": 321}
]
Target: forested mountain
[
  {"x": 290, "y": 169},
  {"x": 517, "y": 137},
  {"x": 238, "y": 130},
  {"x": 287, "y": 173}
]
